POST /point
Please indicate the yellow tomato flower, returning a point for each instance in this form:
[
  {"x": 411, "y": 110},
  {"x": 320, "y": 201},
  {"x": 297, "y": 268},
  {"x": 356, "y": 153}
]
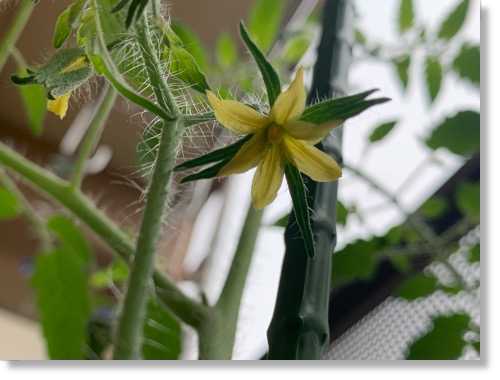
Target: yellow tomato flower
[
  {"x": 278, "y": 138},
  {"x": 59, "y": 105}
]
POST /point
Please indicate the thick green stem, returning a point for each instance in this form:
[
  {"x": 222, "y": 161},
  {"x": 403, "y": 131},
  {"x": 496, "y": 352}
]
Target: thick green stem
[
  {"x": 20, "y": 20},
  {"x": 185, "y": 308},
  {"x": 217, "y": 333},
  {"x": 93, "y": 135},
  {"x": 128, "y": 341}
]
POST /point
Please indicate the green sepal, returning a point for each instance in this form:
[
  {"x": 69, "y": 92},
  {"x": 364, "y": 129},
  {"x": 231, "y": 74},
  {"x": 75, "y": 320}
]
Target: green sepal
[
  {"x": 200, "y": 118},
  {"x": 225, "y": 153},
  {"x": 207, "y": 173},
  {"x": 269, "y": 75},
  {"x": 340, "y": 108},
  {"x": 300, "y": 208}
]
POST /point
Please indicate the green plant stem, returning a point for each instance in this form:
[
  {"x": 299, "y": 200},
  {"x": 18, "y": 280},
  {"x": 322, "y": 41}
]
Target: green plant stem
[
  {"x": 29, "y": 212},
  {"x": 218, "y": 332},
  {"x": 14, "y": 32},
  {"x": 128, "y": 342},
  {"x": 93, "y": 135},
  {"x": 186, "y": 309}
]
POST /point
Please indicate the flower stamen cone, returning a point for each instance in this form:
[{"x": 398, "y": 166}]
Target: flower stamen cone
[{"x": 278, "y": 139}]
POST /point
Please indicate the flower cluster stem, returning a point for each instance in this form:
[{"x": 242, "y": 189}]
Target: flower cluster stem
[
  {"x": 14, "y": 32},
  {"x": 93, "y": 135}
]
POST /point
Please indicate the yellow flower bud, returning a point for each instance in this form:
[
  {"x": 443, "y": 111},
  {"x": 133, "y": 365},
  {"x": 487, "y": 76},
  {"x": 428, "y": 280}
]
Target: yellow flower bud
[{"x": 59, "y": 105}]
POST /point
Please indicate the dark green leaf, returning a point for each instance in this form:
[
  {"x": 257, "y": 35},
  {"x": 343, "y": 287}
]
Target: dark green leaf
[
  {"x": 356, "y": 261},
  {"x": 62, "y": 29},
  {"x": 444, "y": 341},
  {"x": 420, "y": 285},
  {"x": 264, "y": 22},
  {"x": 60, "y": 282},
  {"x": 207, "y": 173},
  {"x": 342, "y": 213},
  {"x": 162, "y": 334},
  {"x": 269, "y": 75},
  {"x": 402, "y": 65},
  {"x": 9, "y": 205},
  {"x": 469, "y": 200},
  {"x": 433, "y": 76},
  {"x": 216, "y": 155},
  {"x": 454, "y": 21},
  {"x": 192, "y": 44},
  {"x": 382, "y": 130},
  {"x": 283, "y": 221},
  {"x": 406, "y": 15},
  {"x": 300, "y": 208},
  {"x": 477, "y": 346},
  {"x": 475, "y": 254},
  {"x": 401, "y": 262},
  {"x": 459, "y": 133},
  {"x": 467, "y": 63},
  {"x": 226, "y": 52},
  {"x": 340, "y": 109},
  {"x": 35, "y": 104},
  {"x": 434, "y": 207},
  {"x": 183, "y": 64}
]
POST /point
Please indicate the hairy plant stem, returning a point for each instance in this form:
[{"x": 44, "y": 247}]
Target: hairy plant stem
[
  {"x": 189, "y": 311},
  {"x": 14, "y": 32},
  {"x": 93, "y": 135},
  {"x": 29, "y": 212},
  {"x": 128, "y": 341},
  {"x": 217, "y": 333}
]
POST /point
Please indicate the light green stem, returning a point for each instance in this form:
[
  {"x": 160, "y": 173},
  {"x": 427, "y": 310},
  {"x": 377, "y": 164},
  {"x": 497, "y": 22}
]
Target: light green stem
[
  {"x": 128, "y": 342},
  {"x": 14, "y": 32},
  {"x": 93, "y": 135},
  {"x": 217, "y": 333},
  {"x": 75, "y": 201}
]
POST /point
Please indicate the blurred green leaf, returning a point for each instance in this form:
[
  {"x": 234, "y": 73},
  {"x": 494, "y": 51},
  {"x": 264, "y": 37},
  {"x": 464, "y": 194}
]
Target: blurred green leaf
[
  {"x": 420, "y": 285},
  {"x": 264, "y": 22},
  {"x": 9, "y": 205},
  {"x": 469, "y": 200},
  {"x": 62, "y": 29},
  {"x": 300, "y": 207},
  {"x": 60, "y": 282},
  {"x": 406, "y": 15},
  {"x": 114, "y": 274},
  {"x": 269, "y": 75},
  {"x": 382, "y": 130},
  {"x": 360, "y": 37},
  {"x": 35, "y": 105},
  {"x": 162, "y": 334},
  {"x": 342, "y": 213},
  {"x": 226, "y": 51},
  {"x": 434, "y": 207},
  {"x": 459, "y": 133},
  {"x": 69, "y": 236},
  {"x": 454, "y": 21},
  {"x": 356, "y": 261},
  {"x": 401, "y": 262},
  {"x": 192, "y": 44},
  {"x": 467, "y": 63},
  {"x": 296, "y": 47},
  {"x": 475, "y": 254},
  {"x": 433, "y": 76},
  {"x": 477, "y": 346},
  {"x": 184, "y": 66},
  {"x": 444, "y": 340},
  {"x": 402, "y": 65}
]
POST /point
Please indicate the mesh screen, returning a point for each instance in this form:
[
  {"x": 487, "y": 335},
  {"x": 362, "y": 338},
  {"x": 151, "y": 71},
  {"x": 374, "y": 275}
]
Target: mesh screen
[{"x": 386, "y": 332}]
